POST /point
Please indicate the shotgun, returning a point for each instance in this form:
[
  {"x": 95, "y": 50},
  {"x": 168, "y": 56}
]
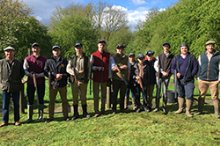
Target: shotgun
[{"x": 35, "y": 85}]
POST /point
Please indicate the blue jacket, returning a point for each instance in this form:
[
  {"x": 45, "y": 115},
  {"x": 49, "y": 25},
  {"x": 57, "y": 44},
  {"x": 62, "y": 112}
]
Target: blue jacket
[
  {"x": 191, "y": 68},
  {"x": 54, "y": 67}
]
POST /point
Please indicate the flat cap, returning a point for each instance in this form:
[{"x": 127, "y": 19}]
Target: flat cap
[
  {"x": 102, "y": 41},
  {"x": 140, "y": 56},
  {"x": 9, "y": 48},
  {"x": 131, "y": 54},
  {"x": 184, "y": 45},
  {"x": 55, "y": 47},
  {"x": 210, "y": 42},
  {"x": 35, "y": 45},
  {"x": 166, "y": 44},
  {"x": 78, "y": 45},
  {"x": 120, "y": 46}
]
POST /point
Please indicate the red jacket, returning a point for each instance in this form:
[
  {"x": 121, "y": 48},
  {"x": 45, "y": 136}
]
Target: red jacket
[{"x": 101, "y": 60}]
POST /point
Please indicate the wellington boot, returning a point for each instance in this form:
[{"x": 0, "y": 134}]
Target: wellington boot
[
  {"x": 188, "y": 108},
  {"x": 216, "y": 108},
  {"x": 180, "y": 104}
]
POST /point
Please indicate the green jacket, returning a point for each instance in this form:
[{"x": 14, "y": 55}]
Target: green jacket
[
  {"x": 119, "y": 61},
  {"x": 11, "y": 75}
]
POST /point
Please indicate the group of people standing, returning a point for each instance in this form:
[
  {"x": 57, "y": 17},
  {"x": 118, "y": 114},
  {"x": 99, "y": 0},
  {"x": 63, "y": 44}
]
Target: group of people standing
[{"x": 123, "y": 73}]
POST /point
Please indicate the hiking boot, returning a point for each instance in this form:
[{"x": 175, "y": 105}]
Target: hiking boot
[
  {"x": 85, "y": 114},
  {"x": 164, "y": 110},
  {"x": 66, "y": 118},
  {"x": 17, "y": 123},
  {"x": 49, "y": 120},
  {"x": 76, "y": 113},
  {"x": 30, "y": 113},
  {"x": 40, "y": 112},
  {"x": 3, "y": 124},
  {"x": 97, "y": 115},
  {"x": 156, "y": 110}
]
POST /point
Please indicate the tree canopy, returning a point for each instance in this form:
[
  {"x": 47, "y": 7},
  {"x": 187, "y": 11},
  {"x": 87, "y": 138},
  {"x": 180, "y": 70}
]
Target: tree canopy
[
  {"x": 193, "y": 22},
  {"x": 19, "y": 29}
]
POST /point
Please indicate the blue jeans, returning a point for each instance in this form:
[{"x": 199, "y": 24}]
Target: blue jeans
[
  {"x": 135, "y": 93},
  {"x": 40, "y": 93},
  {"x": 162, "y": 85},
  {"x": 5, "y": 105}
]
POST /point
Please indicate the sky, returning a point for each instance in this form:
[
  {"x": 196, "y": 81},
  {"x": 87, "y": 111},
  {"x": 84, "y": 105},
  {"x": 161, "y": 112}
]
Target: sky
[{"x": 136, "y": 10}]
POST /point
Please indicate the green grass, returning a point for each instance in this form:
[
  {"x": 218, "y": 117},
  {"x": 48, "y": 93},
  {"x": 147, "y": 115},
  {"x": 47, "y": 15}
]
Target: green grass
[{"x": 118, "y": 129}]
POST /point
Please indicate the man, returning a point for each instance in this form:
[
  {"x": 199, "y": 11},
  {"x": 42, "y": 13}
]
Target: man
[
  {"x": 209, "y": 76},
  {"x": 150, "y": 76},
  {"x": 162, "y": 67},
  {"x": 186, "y": 67},
  {"x": 141, "y": 77},
  {"x": 132, "y": 84},
  {"x": 55, "y": 70},
  {"x": 78, "y": 68},
  {"x": 100, "y": 66},
  {"x": 34, "y": 69},
  {"x": 10, "y": 83},
  {"x": 120, "y": 76}
]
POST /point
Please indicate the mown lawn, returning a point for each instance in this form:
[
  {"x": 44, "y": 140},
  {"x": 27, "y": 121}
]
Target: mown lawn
[{"x": 128, "y": 128}]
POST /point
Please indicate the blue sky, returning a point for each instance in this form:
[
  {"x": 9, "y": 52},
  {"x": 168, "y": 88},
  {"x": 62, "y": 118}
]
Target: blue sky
[{"x": 136, "y": 9}]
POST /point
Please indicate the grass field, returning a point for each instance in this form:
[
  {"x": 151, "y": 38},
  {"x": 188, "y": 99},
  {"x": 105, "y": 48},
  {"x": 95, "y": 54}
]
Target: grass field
[{"x": 128, "y": 128}]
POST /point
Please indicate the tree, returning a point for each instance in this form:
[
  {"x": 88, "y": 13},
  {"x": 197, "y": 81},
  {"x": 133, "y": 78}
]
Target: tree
[
  {"x": 109, "y": 19},
  {"x": 192, "y": 22},
  {"x": 72, "y": 24},
  {"x": 19, "y": 29}
]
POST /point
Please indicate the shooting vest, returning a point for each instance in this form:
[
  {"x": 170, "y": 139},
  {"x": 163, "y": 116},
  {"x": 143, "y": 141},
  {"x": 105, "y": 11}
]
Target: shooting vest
[
  {"x": 119, "y": 61},
  {"x": 101, "y": 60},
  {"x": 84, "y": 76},
  {"x": 209, "y": 70}
]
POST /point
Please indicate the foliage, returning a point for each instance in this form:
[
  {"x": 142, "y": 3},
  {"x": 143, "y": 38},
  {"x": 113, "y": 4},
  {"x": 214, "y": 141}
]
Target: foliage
[
  {"x": 73, "y": 24},
  {"x": 19, "y": 29},
  {"x": 88, "y": 24},
  {"x": 193, "y": 22}
]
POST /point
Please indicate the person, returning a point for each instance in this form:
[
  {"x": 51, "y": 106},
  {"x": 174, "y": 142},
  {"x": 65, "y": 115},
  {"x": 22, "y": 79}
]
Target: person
[
  {"x": 132, "y": 84},
  {"x": 209, "y": 76},
  {"x": 120, "y": 76},
  {"x": 34, "y": 69},
  {"x": 150, "y": 77},
  {"x": 101, "y": 74},
  {"x": 78, "y": 67},
  {"x": 186, "y": 67},
  {"x": 162, "y": 66},
  {"x": 141, "y": 77},
  {"x": 10, "y": 83},
  {"x": 55, "y": 70}
]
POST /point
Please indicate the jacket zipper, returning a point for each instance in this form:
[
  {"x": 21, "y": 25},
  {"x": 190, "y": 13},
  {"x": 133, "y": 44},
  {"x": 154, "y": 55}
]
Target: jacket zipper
[{"x": 208, "y": 70}]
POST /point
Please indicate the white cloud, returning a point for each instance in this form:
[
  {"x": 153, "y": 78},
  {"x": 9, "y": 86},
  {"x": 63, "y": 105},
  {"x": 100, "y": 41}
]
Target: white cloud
[
  {"x": 139, "y": 2},
  {"x": 136, "y": 16},
  {"x": 119, "y": 8},
  {"x": 43, "y": 9},
  {"x": 39, "y": 18}
]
